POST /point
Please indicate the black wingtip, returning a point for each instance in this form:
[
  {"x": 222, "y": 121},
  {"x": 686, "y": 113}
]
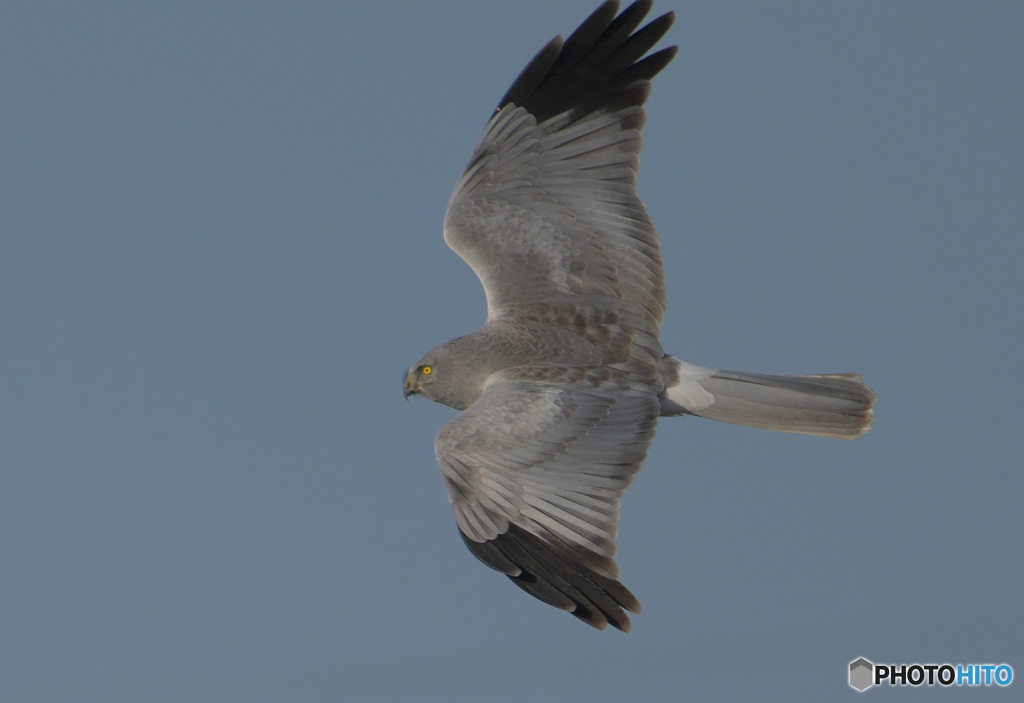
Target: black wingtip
[
  {"x": 557, "y": 577},
  {"x": 595, "y": 66}
]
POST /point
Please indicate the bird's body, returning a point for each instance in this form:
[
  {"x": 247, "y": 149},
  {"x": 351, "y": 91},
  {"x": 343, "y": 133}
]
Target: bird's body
[{"x": 562, "y": 387}]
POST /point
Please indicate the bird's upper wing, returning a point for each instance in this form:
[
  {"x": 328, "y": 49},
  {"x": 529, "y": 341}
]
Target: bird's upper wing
[
  {"x": 534, "y": 472},
  {"x": 547, "y": 210}
]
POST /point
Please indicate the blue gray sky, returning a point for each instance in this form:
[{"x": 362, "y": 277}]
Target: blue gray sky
[{"x": 220, "y": 248}]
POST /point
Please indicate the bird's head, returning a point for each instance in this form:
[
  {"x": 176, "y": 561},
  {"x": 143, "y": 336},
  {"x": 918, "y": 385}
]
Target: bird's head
[
  {"x": 453, "y": 374},
  {"x": 422, "y": 378}
]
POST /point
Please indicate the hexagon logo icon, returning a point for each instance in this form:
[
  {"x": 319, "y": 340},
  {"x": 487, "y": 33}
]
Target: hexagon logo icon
[{"x": 861, "y": 674}]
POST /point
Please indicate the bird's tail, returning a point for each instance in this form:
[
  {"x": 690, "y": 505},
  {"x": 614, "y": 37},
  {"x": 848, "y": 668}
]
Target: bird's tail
[{"x": 828, "y": 405}]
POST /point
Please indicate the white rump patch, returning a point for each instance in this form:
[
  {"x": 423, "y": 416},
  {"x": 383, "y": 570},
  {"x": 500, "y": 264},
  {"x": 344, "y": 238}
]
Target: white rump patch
[{"x": 685, "y": 389}]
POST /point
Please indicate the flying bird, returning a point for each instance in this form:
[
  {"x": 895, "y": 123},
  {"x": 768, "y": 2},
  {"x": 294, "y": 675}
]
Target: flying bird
[{"x": 562, "y": 387}]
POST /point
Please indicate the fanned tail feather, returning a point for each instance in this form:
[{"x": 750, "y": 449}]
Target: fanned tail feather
[{"x": 828, "y": 405}]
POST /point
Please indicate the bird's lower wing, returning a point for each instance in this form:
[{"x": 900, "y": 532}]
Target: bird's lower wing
[{"x": 534, "y": 472}]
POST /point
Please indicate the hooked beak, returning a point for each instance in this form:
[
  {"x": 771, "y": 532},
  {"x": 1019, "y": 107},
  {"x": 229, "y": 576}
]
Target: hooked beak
[{"x": 409, "y": 386}]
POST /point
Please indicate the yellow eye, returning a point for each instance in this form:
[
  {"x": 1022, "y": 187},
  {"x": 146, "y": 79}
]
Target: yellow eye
[{"x": 427, "y": 370}]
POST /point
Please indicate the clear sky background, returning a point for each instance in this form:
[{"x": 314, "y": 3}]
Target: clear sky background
[{"x": 220, "y": 249}]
